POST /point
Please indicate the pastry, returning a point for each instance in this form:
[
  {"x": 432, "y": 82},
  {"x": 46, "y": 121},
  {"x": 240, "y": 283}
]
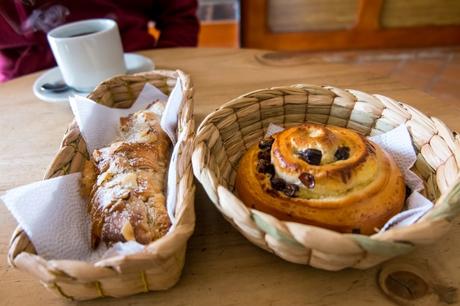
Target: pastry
[
  {"x": 326, "y": 176},
  {"x": 125, "y": 182}
]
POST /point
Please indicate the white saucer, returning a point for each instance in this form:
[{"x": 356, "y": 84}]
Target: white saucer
[{"x": 134, "y": 63}]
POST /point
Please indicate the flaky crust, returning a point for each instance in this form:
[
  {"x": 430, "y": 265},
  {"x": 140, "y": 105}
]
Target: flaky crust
[
  {"x": 127, "y": 200},
  {"x": 357, "y": 194}
]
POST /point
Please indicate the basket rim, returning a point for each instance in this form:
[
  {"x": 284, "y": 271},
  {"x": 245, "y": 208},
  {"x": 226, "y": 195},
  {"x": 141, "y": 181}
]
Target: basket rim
[{"x": 108, "y": 267}]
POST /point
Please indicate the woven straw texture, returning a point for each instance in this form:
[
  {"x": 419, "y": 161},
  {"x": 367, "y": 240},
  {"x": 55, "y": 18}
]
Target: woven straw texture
[
  {"x": 160, "y": 266},
  {"x": 225, "y": 135}
]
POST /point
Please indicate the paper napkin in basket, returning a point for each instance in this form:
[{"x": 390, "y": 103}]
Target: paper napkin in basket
[
  {"x": 52, "y": 212},
  {"x": 398, "y": 144}
]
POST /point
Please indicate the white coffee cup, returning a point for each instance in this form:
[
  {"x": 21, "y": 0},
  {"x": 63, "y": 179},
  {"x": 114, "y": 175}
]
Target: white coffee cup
[{"x": 87, "y": 52}]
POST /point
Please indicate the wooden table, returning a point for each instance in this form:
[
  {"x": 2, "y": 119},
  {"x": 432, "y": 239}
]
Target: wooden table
[{"x": 222, "y": 267}]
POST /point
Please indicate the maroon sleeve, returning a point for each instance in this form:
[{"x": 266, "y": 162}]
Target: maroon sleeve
[
  {"x": 177, "y": 22},
  {"x": 21, "y": 52},
  {"x": 10, "y": 25}
]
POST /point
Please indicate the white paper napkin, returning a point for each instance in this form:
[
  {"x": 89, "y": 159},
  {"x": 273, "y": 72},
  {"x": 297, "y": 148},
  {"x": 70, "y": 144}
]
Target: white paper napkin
[
  {"x": 99, "y": 124},
  {"x": 416, "y": 207},
  {"x": 52, "y": 212},
  {"x": 169, "y": 123},
  {"x": 398, "y": 144}
]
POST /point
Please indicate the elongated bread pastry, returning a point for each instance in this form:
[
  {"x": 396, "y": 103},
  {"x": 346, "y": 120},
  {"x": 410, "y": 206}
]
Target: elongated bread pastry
[
  {"x": 125, "y": 182},
  {"x": 322, "y": 175}
]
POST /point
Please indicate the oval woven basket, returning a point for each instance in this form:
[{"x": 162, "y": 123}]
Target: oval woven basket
[
  {"x": 160, "y": 265},
  {"x": 225, "y": 135}
]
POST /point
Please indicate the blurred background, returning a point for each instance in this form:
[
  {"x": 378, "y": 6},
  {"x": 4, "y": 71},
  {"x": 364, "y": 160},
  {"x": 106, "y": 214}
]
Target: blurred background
[
  {"x": 413, "y": 41},
  {"x": 416, "y": 42},
  {"x": 220, "y": 23}
]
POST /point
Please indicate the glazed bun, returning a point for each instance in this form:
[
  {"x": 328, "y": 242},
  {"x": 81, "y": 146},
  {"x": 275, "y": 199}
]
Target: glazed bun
[{"x": 327, "y": 176}]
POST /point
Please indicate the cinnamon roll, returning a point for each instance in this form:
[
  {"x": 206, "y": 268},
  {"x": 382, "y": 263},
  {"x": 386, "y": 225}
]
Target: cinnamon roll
[{"x": 326, "y": 176}]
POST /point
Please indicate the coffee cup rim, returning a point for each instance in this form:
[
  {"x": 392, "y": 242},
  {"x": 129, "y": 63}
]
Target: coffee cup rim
[{"x": 52, "y": 34}]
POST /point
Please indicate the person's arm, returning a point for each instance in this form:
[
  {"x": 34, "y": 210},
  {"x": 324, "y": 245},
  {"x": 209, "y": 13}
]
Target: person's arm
[
  {"x": 177, "y": 22},
  {"x": 23, "y": 45},
  {"x": 10, "y": 25}
]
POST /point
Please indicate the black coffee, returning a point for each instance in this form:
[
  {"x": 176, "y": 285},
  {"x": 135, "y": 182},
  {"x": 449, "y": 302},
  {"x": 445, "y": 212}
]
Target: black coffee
[{"x": 82, "y": 34}]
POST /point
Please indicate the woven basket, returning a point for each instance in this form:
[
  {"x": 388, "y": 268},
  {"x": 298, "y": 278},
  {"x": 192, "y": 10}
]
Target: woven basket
[
  {"x": 225, "y": 135},
  {"x": 160, "y": 266}
]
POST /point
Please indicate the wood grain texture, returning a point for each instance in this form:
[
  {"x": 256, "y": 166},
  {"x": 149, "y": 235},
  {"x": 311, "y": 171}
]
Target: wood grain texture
[
  {"x": 320, "y": 15},
  {"x": 311, "y": 15},
  {"x": 222, "y": 267},
  {"x": 369, "y": 15},
  {"x": 413, "y": 13},
  {"x": 366, "y": 33}
]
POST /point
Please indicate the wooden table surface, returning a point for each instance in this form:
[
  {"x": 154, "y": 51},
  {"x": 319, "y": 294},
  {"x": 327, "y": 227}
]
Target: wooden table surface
[{"x": 222, "y": 267}]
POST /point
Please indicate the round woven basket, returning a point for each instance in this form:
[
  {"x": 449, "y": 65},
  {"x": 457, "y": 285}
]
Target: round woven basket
[
  {"x": 159, "y": 266},
  {"x": 225, "y": 135}
]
